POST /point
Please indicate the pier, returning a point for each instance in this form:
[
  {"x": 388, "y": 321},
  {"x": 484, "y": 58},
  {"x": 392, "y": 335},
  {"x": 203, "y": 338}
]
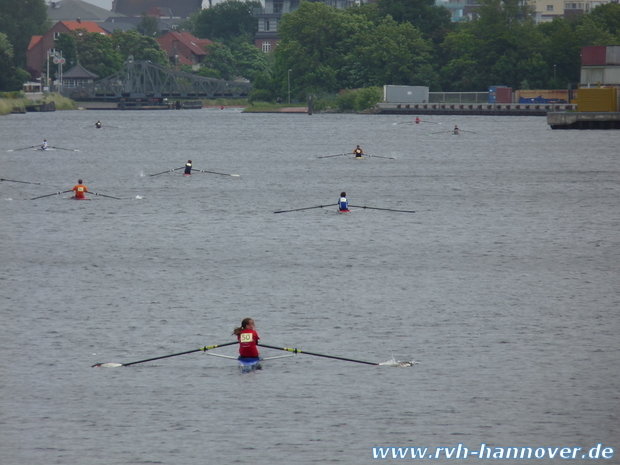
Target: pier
[
  {"x": 589, "y": 120},
  {"x": 495, "y": 109}
]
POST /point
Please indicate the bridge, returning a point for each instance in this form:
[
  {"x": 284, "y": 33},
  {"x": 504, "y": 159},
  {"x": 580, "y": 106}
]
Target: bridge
[{"x": 147, "y": 80}]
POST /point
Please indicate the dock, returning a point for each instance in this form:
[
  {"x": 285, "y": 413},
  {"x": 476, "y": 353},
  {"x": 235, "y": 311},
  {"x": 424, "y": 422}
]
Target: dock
[
  {"x": 584, "y": 120},
  {"x": 495, "y": 109}
]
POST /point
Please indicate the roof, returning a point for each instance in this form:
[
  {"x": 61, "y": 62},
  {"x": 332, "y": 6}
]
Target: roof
[
  {"x": 34, "y": 41},
  {"x": 79, "y": 72},
  {"x": 197, "y": 46},
  {"x": 88, "y": 25},
  {"x": 60, "y": 10}
]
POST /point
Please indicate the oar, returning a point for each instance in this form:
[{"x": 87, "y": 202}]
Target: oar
[
  {"x": 378, "y": 156},
  {"x": 23, "y": 148},
  {"x": 167, "y": 171},
  {"x": 297, "y": 351},
  {"x": 214, "y": 172},
  {"x": 463, "y": 130},
  {"x": 62, "y": 148},
  {"x": 386, "y": 209},
  {"x": 432, "y": 122},
  {"x": 49, "y": 195},
  {"x": 440, "y": 132},
  {"x": 203, "y": 349},
  {"x": 24, "y": 182},
  {"x": 337, "y": 155},
  {"x": 306, "y": 208},
  {"x": 103, "y": 195}
]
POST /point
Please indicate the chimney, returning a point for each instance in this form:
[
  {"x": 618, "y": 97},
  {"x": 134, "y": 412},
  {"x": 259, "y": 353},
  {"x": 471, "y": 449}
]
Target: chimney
[{"x": 78, "y": 20}]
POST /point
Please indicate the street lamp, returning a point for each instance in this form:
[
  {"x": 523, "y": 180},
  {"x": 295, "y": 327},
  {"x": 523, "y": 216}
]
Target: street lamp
[{"x": 289, "y": 86}]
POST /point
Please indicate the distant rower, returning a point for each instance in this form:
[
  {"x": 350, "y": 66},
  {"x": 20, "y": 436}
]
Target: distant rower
[
  {"x": 358, "y": 152},
  {"x": 98, "y": 124},
  {"x": 456, "y": 129},
  {"x": 417, "y": 120},
  {"x": 188, "y": 168},
  {"x": 343, "y": 203},
  {"x": 44, "y": 145}
]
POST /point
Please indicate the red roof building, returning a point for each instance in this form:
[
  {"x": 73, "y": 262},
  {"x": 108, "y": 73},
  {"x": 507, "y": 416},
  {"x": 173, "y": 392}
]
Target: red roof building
[
  {"x": 183, "y": 48},
  {"x": 36, "y": 55}
]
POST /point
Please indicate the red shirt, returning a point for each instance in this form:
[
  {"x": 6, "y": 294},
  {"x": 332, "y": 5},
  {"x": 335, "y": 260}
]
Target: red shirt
[
  {"x": 247, "y": 343},
  {"x": 79, "y": 191}
]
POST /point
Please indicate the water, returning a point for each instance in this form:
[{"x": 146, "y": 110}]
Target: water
[{"x": 503, "y": 286}]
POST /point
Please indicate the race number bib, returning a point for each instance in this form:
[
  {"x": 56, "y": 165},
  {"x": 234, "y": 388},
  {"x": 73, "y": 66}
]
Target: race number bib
[{"x": 247, "y": 337}]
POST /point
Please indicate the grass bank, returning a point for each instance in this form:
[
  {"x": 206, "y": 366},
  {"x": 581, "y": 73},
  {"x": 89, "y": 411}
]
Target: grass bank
[
  {"x": 262, "y": 107},
  {"x": 9, "y": 100},
  {"x": 224, "y": 102}
]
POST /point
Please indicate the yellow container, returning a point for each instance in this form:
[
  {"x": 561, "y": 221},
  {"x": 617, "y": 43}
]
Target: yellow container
[{"x": 600, "y": 99}]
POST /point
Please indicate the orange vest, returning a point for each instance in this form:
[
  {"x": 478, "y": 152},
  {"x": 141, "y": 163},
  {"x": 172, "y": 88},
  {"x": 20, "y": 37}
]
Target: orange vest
[{"x": 79, "y": 191}]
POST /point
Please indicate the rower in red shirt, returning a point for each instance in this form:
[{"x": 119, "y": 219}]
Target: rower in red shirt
[
  {"x": 248, "y": 338},
  {"x": 79, "y": 190}
]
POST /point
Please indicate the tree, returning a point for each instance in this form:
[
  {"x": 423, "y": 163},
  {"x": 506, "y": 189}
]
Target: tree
[
  {"x": 249, "y": 60},
  {"x": 434, "y": 21},
  {"x": 220, "y": 59},
  {"x": 95, "y": 52},
  {"x": 225, "y": 21},
  {"x": 141, "y": 47},
  {"x": 389, "y": 53},
  {"x": 149, "y": 26},
  {"x": 495, "y": 49},
  {"x": 11, "y": 78},
  {"x": 314, "y": 42},
  {"x": 20, "y": 20}
]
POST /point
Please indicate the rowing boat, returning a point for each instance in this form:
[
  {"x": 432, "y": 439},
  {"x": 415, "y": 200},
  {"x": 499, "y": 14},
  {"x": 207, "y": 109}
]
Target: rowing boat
[{"x": 246, "y": 365}]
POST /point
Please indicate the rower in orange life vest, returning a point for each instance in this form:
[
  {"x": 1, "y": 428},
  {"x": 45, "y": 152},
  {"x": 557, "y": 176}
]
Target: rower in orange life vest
[
  {"x": 358, "y": 152},
  {"x": 188, "y": 168},
  {"x": 343, "y": 203},
  {"x": 248, "y": 338},
  {"x": 79, "y": 190}
]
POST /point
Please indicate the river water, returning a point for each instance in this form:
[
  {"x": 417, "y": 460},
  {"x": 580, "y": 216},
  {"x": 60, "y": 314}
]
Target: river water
[{"x": 503, "y": 286}]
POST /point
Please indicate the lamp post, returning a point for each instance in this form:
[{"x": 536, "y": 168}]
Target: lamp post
[
  {"x": 554, "y": 72},
  {"x": 289, "y": 86}
]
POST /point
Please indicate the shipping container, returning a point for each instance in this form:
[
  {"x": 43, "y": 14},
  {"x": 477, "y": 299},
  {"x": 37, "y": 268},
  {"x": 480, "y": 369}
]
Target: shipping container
[
  {"x": 500, "y": 94},
  {"x": 405, "y": 94},
  {"x": 593, "y": 56},
  {"x": 612, "y": 55},
  {"x": 600, "y": 75},
  {"x": 600, "y": 99}
]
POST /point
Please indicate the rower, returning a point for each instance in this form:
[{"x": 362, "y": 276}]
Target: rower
[
  {"x": 456, "y": 129},
  {"x": 79, "y": 190},
  {"x": 417, "y": 120},
  {"x": 188, "y": 168},
  {"x": 343, "y": 203},
  {"x": 44, "y": 145},
  {"x": 98, "y": 124},
  {"x": 248, "y": 339},
  {"x": 358, "y": 152}
]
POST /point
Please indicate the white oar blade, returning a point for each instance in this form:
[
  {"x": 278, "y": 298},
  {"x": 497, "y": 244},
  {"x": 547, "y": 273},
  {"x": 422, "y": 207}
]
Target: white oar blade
[
  {"x": 108, "y": 365},
  {"x": 398, "y": 363}
]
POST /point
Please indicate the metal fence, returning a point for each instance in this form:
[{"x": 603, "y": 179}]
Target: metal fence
[{"x": 458, "y": 97}]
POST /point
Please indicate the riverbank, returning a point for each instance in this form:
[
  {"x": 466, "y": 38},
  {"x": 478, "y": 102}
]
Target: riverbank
[{"x": 21, "y": 101}]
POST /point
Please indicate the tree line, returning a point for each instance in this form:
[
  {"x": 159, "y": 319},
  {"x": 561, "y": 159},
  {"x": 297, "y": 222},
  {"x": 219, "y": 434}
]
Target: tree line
[{"x": 398, "y": 42}]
